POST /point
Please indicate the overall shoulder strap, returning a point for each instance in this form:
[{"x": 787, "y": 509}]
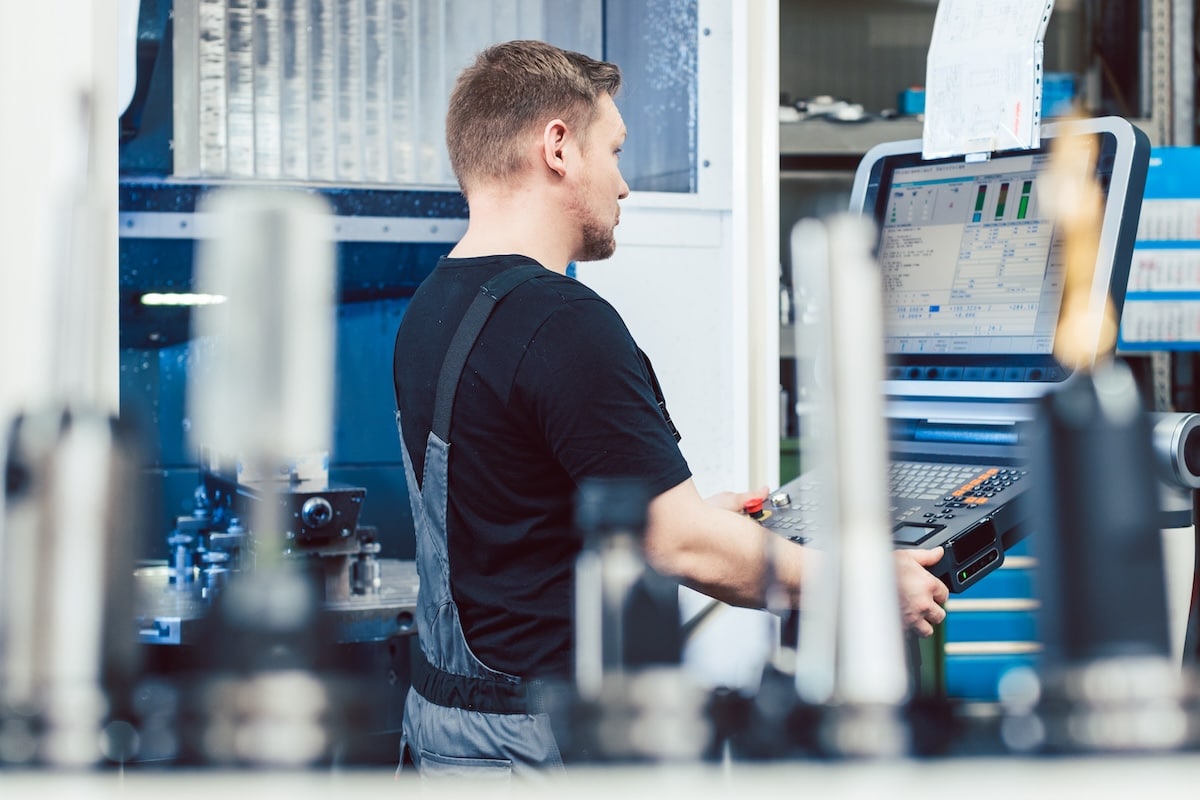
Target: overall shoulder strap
[
  {"x": 464, "y": 338},
  {"x": 658, "y": 396}
]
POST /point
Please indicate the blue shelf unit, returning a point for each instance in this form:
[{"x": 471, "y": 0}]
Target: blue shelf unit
[{"x": 991, "y": 628}]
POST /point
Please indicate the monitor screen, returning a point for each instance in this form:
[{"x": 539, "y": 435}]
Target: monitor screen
[
  {"x": 972, "y": 264},
  {"x": 968, "y": 261}
]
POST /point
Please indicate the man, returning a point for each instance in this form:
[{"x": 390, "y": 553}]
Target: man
[{"x": 539, "y": 386}]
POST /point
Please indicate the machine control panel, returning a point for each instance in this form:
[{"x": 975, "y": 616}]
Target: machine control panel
[{"x": 965, "y": 508}]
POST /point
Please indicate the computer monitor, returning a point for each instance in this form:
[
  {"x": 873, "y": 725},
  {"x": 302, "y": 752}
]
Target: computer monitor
[{"x": 973, "y": 264}]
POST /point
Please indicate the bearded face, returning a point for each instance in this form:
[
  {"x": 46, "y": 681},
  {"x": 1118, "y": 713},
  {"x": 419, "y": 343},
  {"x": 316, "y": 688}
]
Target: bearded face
[{"x": 594, "y": 203}]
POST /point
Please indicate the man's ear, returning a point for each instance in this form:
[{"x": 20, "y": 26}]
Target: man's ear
[{"x": 554, "y": 140}]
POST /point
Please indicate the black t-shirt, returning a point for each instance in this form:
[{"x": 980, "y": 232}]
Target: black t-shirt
[{"x": 554, "y": 391}]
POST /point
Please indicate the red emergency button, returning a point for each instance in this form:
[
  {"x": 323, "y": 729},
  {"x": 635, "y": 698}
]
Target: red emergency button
[{"x": 754, "y": 507}]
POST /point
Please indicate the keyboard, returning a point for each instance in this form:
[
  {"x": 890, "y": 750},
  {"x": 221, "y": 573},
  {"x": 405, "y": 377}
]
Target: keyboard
[
  {"x": 923, "y": 494},
  {"x": 966, "y": 508}
]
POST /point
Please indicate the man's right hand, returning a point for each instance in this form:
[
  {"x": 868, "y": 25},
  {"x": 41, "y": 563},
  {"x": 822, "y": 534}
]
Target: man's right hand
[{"x": 921, "y": 594}]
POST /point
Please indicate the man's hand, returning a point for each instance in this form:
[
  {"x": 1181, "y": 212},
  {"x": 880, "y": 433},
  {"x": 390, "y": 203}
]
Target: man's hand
[{"x": 921, "y": 594}]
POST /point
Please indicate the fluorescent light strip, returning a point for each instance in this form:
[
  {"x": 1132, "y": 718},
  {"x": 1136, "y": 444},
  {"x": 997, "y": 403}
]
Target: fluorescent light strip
[{"x": 181, "y": 299}]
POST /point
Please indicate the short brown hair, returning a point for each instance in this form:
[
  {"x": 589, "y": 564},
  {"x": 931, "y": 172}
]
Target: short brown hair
[{"x": 511, "y": 88}]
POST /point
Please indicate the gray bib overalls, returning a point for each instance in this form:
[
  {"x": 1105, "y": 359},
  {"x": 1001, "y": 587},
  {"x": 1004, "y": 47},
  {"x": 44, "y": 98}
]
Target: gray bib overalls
[{"x": 462, "y": 718}]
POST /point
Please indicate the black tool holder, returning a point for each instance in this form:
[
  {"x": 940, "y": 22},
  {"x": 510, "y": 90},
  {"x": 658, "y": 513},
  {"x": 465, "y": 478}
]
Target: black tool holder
[{"x": 1106, "y": 682}]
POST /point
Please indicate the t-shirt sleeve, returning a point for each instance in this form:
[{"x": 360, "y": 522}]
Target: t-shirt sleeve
[{"x": 587, "y": 387}]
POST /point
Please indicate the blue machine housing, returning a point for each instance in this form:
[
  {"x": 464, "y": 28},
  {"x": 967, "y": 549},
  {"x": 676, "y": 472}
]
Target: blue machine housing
[{"x": 375, "y": 281}]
